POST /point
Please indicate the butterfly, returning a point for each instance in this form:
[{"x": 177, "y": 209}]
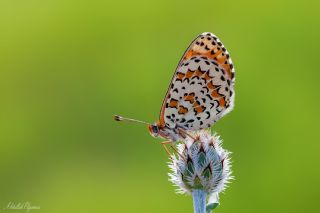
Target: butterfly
[{"x": 200, "y": 93}]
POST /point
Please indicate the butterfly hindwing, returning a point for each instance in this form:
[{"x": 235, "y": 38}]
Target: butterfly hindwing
[{"x": 202, "y": 88}]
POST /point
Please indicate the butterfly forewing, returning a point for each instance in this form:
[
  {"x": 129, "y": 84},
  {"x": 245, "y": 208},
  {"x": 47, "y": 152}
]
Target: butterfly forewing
[{"x": 202, "y": 88}]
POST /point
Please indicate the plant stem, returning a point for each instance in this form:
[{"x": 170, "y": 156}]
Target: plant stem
[{"x": 199, "y": 200}]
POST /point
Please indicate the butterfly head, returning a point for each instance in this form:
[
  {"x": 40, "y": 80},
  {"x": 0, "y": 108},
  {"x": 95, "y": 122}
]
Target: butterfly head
[
  {"x": 157, "y": 130},
  {"x": 154, "y": 130}
]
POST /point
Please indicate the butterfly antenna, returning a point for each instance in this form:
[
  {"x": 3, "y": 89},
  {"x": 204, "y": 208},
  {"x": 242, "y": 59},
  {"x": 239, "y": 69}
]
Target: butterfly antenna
[{"x": 120, "y": 118}]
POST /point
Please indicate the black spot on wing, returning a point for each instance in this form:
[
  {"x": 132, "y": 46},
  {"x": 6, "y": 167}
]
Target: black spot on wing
[
  {"x": 206, "y": 88},
  {"x": 197, "y": 77},
  {"x": 209, "y": 96},
  {"x": 186, "y": 79},
  {"x": 208, "y": 115},
  {"x": 212, "y": 105},
  {"x": 190, "y": 121},
  {"x": 213, "y": 62}
]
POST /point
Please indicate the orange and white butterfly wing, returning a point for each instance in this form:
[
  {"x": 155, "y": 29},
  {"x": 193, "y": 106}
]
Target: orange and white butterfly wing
[{"x": 202, "y": 88}]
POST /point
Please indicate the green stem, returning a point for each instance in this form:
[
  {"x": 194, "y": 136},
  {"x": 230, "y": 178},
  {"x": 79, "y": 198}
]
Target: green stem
[{"x": 199, "y": 200}]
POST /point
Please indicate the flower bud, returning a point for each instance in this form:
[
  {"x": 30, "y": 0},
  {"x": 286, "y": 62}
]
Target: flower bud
[{"x": 202, "y": 164}]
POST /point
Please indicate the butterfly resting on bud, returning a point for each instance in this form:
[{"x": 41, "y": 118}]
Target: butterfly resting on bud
[{"x": 200, "y": 92}]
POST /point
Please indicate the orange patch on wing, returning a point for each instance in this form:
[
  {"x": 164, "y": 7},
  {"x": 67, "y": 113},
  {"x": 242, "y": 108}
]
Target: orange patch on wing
[
  {"x": 195, "y": 104},
  {"x": 199, "y": 73},
  {"x": 190, "y": 98},
  {"x": 182, "y": 110},
  {"x": 189, "y": 54},
  {"x": 222, "y": 102},
  {"x": 160, "y": 123},
  {"x": 180, "y": 75},
  {"x": 202, "y": 52},
  {"x": 215, "y": 94},
  {"x": 210, "y": 85},
  {"x": 207, "y": 77},
  {"x": 228, "y": 70},
  {"x": 212, "y": 56},
  {"x": 189, "y": 74},
  {"x": 173, "y": 103},
  {"x": 199, "y": 109},
  {"x": 222, "y": 61}
]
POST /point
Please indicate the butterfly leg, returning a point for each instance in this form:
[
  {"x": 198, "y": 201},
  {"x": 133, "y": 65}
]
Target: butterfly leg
[
  {"x": 171, "y": 145},
  {"x": 166, "y": 149},
  {"x": 184, "y": 134}
]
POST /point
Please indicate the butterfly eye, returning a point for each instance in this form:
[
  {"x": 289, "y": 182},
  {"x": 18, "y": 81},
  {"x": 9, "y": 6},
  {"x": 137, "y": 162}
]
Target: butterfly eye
[{"x": 155, "y": 129}]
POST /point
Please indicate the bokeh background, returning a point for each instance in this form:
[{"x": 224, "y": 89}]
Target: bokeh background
[{"x": 67, "y": 66}]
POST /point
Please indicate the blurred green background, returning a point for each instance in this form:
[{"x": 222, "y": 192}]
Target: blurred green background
[{"x": 67, "y": 66}]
